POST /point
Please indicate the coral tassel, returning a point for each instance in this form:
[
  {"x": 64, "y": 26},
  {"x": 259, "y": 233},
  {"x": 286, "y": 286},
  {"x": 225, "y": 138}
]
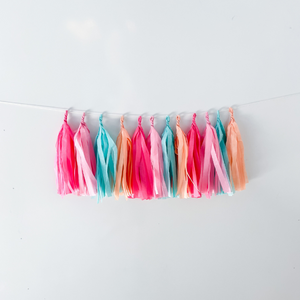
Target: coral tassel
[
  {"x": 168, "y": 148},
  {"x": 181, "y": 150},
  {"x": 66, "y": 167},
  {"x": 193, "y": 161},
  {"x": 124, "y": 165},
  {"x": 86, "y": 160},
  {"x": 142, "y": 179},
  {"x": 156, "y": 157},
  {"x": 235, "y": 150},
  {"x": 106, "y": 156}
]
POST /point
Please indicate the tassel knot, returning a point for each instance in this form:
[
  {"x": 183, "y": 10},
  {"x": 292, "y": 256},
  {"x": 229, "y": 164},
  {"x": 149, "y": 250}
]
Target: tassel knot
[
  {"x": 122, "y": 121},
  {"x": 82, "y": 118},
  {"x": 140, "y": 120},
  {"x": 66, "y": 116},
  {"x": 177, "y": 120},
  {"x": 152, "y": 121},
  {"x": 231, "y": 114},
  {"x": 207, "y": 118},
  {"x": 168, "y": 121},
  {"x": 100, "y": 120},
  {"x": 194, "y": 119}
]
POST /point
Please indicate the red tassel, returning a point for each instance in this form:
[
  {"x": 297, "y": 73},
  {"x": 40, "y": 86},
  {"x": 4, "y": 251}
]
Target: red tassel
[
  {"x": 142, "y": 176},
  {"x": 66, "y": 167},
  {"x": 193, "y": 162}
]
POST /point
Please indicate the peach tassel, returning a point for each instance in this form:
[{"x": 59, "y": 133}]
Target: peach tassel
[
  {"x": 181, "y": 151},
  {"x": 235, "y": 151},
  {"x": 124, "y": 164}
]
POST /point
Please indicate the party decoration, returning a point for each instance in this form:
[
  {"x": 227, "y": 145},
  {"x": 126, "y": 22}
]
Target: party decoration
[
  {"x": 193, "y": 160},
  {"x": 124, "y": 164},
  {"x": 142, "y": 179},
  {"x": 235, "y": 150},
  {"x": 168, "y": 149},
  {"x": 66, "y": 167},
  {"x": 106, "y": 157},
  {"x": 181, "y": 150},
  {"x": 154, "y": 167},
  {"x": 212, "y": 174},
  {"x": 155, "y": 149},
  {"x": 86, "y": 160},
  {"x": 220, "y": 130}
]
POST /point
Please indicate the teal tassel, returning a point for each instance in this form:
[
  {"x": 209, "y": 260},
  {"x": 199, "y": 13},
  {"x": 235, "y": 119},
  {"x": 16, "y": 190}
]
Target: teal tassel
[
  {"x": 106, "y": 156},
  {"x": 170, "y": 172},
  {"x": 222, "y": 142}
]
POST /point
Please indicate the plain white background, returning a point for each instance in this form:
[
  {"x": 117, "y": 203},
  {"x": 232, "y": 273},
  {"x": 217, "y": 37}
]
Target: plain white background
[{"x": 149, "y": 57}]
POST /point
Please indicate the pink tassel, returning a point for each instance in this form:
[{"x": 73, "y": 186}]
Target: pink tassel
[
  {"x": 213, "y": 173},
  {"x": 181, "y": 150},
  {"x": 193, "y": 161},
  {"x": 66, "y": 169},
  {"x": 86, "y": 160},
  {"x": 142, "y": 176},
  {"x": 156, "y": 157}
]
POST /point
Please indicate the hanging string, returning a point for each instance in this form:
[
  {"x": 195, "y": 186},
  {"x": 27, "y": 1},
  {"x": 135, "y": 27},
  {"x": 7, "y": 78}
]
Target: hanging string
[{"x": 54, "y": 108}]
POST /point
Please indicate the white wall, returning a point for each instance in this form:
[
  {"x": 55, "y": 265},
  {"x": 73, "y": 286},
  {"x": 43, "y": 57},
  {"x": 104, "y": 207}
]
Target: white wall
[{"x": 156, "y": 57}]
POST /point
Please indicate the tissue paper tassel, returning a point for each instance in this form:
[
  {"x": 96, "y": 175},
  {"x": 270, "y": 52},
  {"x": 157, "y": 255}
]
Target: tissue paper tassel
[
  {"x": 86, "y": 160},
  {"x": 106, "y": 158}
]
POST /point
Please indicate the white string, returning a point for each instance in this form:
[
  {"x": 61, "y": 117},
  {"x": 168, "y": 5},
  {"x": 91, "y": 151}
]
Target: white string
[{"x": 109, "y": 113}]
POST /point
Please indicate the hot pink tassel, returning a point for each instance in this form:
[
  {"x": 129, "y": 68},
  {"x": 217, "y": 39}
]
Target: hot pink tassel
[
  {"x": 142, "y": 176},
  {"x": 213, "y": 174},
  {"x": 66, "y": 170},
  {"x": 193, "y": 161},
  {"x": 86, "y": 160},
  {"x": 156, "y": 157}
]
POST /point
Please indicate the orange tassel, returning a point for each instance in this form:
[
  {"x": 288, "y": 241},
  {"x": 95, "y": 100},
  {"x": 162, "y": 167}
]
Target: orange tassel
[
  {"x": 181, "y": 151},
  {"x": 124, "y": 164},
  {"x": 235, "y": 151}
]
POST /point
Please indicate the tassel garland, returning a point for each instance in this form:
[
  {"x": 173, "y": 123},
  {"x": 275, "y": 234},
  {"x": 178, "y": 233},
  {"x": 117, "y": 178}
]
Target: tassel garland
[{"x": 154, "y": 167}]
